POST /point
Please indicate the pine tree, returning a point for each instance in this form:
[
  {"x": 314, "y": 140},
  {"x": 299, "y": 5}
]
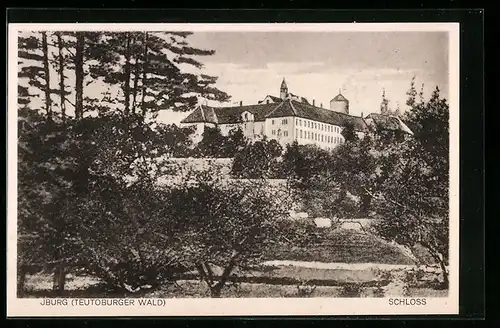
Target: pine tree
[
  {"x": 397, "y": 111},
  {"x": 62, "y": 64},
  {"x": 147, "y": 65},
  {"x": 79, "y": 74},
  {"x": 411, "y": 93},
  {"x": 421, "y": 94},
  {"x": 31, "y": 67}
]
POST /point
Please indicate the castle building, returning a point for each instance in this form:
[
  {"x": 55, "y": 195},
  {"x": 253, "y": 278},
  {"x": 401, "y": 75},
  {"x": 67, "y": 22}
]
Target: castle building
[{"x": 287, "y": 118}]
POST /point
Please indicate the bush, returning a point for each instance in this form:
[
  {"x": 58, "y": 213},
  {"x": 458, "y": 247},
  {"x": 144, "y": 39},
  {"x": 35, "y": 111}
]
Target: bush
[{"x": 351, "y": 290}]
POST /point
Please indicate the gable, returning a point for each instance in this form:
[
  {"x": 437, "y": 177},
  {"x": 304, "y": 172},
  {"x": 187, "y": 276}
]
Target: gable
[
  {"x": 194, "y": 117},
  {"x": 285, "y": 108}
]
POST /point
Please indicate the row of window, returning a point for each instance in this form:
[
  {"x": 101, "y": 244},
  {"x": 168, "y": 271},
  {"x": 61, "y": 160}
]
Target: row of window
[
  {"x": 278, "y": 133},
  {"x": 311, "y": 125},
  {"x": 317, "y": 137},
  {"x": 317, "y": 126},
  {"x": 283, "y": 121}
]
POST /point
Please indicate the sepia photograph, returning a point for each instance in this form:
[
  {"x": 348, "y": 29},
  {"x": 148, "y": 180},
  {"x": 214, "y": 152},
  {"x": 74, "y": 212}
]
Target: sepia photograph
[{"x": 222, "y": 169}]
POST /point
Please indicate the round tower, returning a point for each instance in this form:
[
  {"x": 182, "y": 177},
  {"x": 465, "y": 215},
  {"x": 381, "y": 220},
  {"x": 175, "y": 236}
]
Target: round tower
[
  {"x": 283, "y": 90},
  {"x": 340, "y": 104}
]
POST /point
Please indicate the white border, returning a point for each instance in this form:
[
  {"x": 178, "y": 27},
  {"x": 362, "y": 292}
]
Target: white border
[{"x": 240, "y": 306}]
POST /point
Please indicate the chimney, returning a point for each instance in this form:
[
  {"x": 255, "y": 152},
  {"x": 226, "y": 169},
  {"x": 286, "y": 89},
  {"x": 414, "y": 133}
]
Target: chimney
[
  {"x": 241, "y": 103},
  {"x": 314, "y": 102},
  {"x": 361, "y": 114},
  {"x": 267, "y": 101},
  {"x": 321, "y": 105}
]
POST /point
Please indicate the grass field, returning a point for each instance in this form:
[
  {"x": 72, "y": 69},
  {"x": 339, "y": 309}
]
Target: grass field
[{"x": 344, "y": 246}]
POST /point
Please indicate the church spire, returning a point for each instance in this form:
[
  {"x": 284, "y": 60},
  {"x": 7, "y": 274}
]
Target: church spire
[
  {"x": 384, "y": 104},
  {"x": 283, "y": 90}
]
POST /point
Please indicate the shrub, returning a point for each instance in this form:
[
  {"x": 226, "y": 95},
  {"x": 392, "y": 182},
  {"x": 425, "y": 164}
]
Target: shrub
[
  {"x": 304, "y": 290},
  {"x": 350, "y": 290}
]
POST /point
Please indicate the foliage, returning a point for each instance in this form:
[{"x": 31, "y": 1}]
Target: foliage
[
  {"x": 215, "y": 145},
  {"x": 229, "y": 225},
  {"x": 412, "y": 199},
  {"x": 123, "y": 242},
  {"x": 256, "y": 160},
  {"x": 85, "y": 172}
]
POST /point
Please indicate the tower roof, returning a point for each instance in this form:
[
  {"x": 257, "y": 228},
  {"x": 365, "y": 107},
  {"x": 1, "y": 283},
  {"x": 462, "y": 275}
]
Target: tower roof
[
  {"x": 340, "y": 97},
  {"x": 283, "y": 84}
]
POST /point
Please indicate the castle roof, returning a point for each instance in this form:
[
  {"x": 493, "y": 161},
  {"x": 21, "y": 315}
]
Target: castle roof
[
  {"x": 273, "y": 98},
  {"x": 388, "y": 122},
  {"x": 229, "y": 115},
  {"x": 232, "y": 115}
]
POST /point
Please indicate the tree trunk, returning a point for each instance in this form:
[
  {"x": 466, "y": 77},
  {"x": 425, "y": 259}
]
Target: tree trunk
[
  {"x": 21, "y": 279},
  {"x": 46, "y": 69},
  {"x": 438, "y": 257},
  {"x": 59, "y": 279},
  {"x": 342, "y": 196},
  {"x": 126, "y": 88},
  {"x": 79, "y": 58},
  {"x": 366, "y": 200},
  {"x": 59, "y": 276},
  {"x": 137, "y": 74},
  {"x": 446, "y": 281},
  {"x": 145, "y": 61},
  {"x": 61, "y": 76},
  {"x": 216, "y": 291}
]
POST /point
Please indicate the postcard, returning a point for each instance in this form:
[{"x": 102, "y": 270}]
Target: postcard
[{"x": 233, "y": 169}]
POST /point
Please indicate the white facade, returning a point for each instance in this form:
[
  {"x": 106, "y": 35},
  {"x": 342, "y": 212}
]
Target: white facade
[{"x": 323, "y": 135}]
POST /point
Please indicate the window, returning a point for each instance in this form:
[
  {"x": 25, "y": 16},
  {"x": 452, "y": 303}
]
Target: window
[
  {"x": 284, "y": 122},
  {"x": 272, "y": 122},
  {"x": 273, "y": 132},
  {"x": 322, "y": 140},
  {"x": 285, "y": 133},
  {"x": 316, "y": 137},
  {"x": 296, "y": 121},
  {"x": 296, "y": 133},
  {"x": 315, "y": 125},
  {"x": 301, "y": 133}
]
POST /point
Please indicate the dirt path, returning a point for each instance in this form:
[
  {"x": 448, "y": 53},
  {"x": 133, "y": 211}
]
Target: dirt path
[{"x": 343, "y": 266}]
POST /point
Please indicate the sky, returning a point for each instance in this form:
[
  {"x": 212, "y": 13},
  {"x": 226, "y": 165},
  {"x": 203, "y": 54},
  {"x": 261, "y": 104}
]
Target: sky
[{"x": 316, "y": 65}]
